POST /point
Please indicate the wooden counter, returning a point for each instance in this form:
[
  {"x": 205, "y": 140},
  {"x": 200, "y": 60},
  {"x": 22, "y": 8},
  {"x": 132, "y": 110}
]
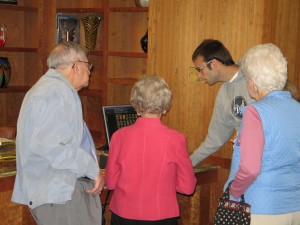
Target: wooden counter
[
  {"x": 195, "y": 209},
  {"x": 10, "y": 212}
]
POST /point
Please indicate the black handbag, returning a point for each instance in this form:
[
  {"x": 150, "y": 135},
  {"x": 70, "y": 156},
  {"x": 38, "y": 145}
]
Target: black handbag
[{"x": 231, "y": 212}]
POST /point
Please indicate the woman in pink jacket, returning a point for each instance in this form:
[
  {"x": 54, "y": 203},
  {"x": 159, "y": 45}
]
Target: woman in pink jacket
[{"x": 148, "y": 162}]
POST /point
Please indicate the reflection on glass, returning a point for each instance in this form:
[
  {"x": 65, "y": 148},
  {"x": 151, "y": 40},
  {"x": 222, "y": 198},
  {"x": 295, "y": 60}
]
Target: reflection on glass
[{"x": 193, "y": 75}]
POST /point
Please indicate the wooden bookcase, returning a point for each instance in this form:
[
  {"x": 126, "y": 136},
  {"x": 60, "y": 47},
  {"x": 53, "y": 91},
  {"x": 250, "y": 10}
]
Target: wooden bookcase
[
  {"x": 23, "y": 51},
  {"x": 118, "y": 58}
]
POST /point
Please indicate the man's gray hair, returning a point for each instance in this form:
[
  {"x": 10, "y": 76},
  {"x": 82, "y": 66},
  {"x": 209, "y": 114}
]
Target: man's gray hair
[{"x": 64, "y": 54}]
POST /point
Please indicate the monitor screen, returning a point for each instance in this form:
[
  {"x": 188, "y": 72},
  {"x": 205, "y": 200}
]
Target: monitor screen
[{"x": 116, "y": 117}]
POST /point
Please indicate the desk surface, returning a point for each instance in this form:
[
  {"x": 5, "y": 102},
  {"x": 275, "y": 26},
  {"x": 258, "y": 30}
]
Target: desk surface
[
  {"x": 7, "y": 160},
  {"x": 8, "y": 164}
]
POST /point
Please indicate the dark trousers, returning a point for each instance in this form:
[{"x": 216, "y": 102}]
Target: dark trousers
[{"x": 117, "y": 220}]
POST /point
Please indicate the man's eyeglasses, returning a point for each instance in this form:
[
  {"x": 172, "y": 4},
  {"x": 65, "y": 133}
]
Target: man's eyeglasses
[
  {"x": 199, "y": 69},
  {"x": 194, "y": 72},
  {"x": 89, "y": 65}
]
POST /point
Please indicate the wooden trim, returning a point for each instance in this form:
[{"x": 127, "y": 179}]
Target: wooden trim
[
  {"x": 79, "y": 10},
  {"x": 207, "y": 177},
  {"x": 90, "y": 93},
  {"x": 105, "y": 52},
  {"x": 128, "y": 9},
  {"x": 18, "y": 49},
  {"x": 129, "y": 81},
  {"x": 128, "y": 54},
  {"x": 19, "y": 8},
  {"x": 14, "y": 89},
  {"x": 224, "y": 163}
]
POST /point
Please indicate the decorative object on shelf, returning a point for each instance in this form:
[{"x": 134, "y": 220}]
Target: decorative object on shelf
[
  {"x": 11, "y": 2},
  {"x": 144, "y": 42},
  {"x": 2, "y": 35},
  {"x": 90, "y": 24},
  {"x": 142, "y": 3},
  {"x": 67, "y": 28},
  {"x": 5, "y": 72}
]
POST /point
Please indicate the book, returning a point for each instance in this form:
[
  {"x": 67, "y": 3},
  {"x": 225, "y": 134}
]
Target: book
[{"x": 6, "y": 141}]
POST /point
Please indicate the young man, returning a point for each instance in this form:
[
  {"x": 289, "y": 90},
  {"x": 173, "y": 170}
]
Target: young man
[
  {"x": 215, "y": 64},
  {"x": 58, "y": 176}
]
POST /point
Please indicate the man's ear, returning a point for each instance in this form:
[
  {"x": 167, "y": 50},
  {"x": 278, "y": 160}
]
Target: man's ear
[{"x": 213, "y": 65}]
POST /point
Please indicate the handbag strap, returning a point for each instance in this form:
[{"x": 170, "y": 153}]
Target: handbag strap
[{"x": 226, "y": 194}]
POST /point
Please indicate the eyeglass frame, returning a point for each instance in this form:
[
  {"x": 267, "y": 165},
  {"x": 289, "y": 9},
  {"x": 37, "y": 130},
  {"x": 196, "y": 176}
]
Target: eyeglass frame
[
  {"x": 89, "y": 64},
  {"x": 199, "y": 69}
]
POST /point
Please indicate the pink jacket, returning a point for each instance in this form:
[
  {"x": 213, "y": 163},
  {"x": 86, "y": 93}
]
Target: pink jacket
[{"x": 147, "y": 164}]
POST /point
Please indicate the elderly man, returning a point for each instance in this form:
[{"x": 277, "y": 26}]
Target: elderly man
[{"x": 58, "y": 175}]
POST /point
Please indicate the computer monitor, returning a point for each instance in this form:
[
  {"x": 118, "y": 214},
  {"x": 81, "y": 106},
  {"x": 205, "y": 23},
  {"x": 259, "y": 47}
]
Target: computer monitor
[{"x": 116, "y": 117}]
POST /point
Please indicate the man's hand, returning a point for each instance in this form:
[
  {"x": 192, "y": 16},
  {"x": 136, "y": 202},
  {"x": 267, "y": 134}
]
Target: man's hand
[{"x": 98, "y": 185}]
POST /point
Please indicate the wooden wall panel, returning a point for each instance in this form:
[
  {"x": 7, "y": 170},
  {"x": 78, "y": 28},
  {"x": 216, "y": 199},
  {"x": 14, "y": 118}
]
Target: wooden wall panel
[
  {"x": 281, "y": 27},
  {"x": 12, "y": 213},
  {"x": 176, "y": 28},
  {"x": 118, "y": 94},
  {"x": 172, "y": 45}
]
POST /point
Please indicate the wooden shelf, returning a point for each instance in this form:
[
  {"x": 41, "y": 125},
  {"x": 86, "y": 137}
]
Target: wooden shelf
[
  {"x": 128, "y": 9},
  {"x": 96, "y": 52},
  {"x": 128, "y": 54},
  {"x": 19, "y": 8},
  {"x": 128, "y": 81},
  {"x": 18, "y": 49},
  {"x": 90, "y": 93},
  {"x": 79, "y": 10},
  {"x": 14, "y": 89},
  {"x": 83, "y": 92}
]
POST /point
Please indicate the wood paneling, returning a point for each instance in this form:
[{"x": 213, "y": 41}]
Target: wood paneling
[
  {"x": 176, "y": 28},
  {"x": 12, "y": 213},
  {"x": 281, "y": 27}
]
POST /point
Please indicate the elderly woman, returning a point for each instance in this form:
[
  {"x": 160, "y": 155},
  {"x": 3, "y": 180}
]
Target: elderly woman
[
  {"x": 148, "y": 162},
  {"x": 266, "y": 159}
]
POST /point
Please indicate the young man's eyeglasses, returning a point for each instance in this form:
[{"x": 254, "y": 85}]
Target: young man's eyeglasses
[
  {"x": 89, "y": 65},
  {"x": 199, "y": 69}
]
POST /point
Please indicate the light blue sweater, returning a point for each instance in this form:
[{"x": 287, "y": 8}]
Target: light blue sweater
[
  {"x": 50, "y": 143},
  {"x": 276, "y": 189}
]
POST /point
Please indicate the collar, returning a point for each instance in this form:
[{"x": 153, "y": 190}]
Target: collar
[
  {"x": 148, "y": 121},
  {"x": 234, "y": 76},
  {"x": 54, "y": 74}
]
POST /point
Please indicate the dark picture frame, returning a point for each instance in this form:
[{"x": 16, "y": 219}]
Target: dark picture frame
[{"x": 67, "y": 27}]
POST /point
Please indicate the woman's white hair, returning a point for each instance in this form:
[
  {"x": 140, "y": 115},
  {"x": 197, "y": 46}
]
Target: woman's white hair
[
  {"x": 265, "y": 65},
  {"x": 151, "y": 94}
]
